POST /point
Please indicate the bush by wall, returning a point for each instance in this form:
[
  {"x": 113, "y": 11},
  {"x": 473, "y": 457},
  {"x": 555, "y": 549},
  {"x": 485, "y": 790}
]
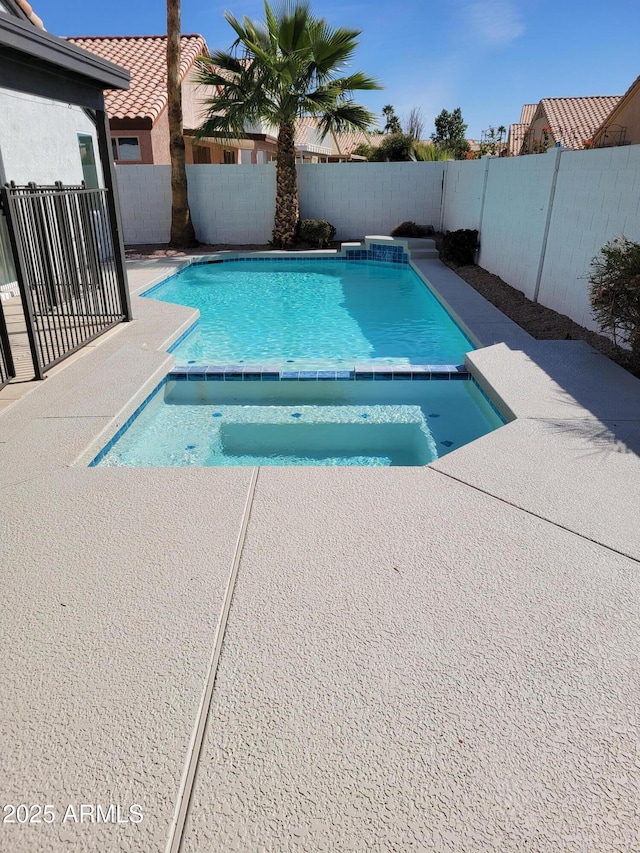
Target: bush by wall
[
  {"x": 412, "y": 229},
  {"x": 615, "y": 294},
  {"x": 316, "y": 232},
  {"x": 459, "y": 247}
]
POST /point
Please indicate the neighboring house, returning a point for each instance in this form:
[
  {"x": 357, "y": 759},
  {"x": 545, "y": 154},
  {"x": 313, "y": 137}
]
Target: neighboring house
[
  {"x": 138, "y": 118},
  {"x": 139, "y": 121},
  {"x": 567, "y": 122},
  {"x": 622, "y": 125},
  {"x": 517, "y": 131}
]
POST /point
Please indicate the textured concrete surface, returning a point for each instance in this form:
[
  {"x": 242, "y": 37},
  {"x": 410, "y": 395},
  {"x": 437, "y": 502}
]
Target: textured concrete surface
[
  {"x": 392, "y": 681},
  {"x": 109, "y": 611},
  {"x": 581, "y": 474},
  {"x": 438, "y": 658}
]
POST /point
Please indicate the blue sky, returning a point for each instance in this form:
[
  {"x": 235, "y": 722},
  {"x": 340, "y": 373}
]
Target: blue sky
[{"x": 486, "y": 56}]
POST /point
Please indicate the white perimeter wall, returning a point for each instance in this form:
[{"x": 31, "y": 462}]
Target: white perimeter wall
[
  {"x": 596, "y": 198},
  {"x": 514, "y": 217},
  {"x": 235, "y": 204},
  {"x": 370, "y": 198}
]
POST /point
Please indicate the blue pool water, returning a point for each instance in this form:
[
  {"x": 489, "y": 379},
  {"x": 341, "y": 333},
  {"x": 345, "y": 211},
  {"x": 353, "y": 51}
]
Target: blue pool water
[
  {"x": 303, "y": 423},
  {"x": 320, "y": 312}
]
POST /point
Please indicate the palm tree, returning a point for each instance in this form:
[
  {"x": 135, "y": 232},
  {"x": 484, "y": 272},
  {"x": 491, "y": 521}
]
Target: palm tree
[
  {"x": 182, "y": 232},
  {"x": 289, "y": 66}
]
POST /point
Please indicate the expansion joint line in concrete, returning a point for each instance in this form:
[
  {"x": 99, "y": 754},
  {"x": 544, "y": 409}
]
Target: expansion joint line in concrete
[
  {"x": 541, "y": 517},
  {"x": 176, "y": 832}
]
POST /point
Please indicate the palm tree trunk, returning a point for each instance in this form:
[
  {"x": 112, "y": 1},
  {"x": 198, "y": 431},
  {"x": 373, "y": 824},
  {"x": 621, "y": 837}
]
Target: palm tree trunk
[
  {"x": 182, "y": 233},
  {"x": 287, "y": 206}
]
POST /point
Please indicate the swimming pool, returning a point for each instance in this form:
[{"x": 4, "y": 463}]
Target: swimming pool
[
  {"x": 335, "y": 423},
  {"x": 312, "y": 312}
]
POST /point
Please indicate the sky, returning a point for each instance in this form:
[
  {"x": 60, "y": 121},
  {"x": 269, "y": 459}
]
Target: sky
[{"x": 488, "y": 57}]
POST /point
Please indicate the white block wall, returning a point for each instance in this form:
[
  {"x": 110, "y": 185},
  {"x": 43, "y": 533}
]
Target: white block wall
[
  {"x": 232, "y": 204},
  {"x": 145, "y": 203},
  {"x": 597, "y": 198},
  {"x": 462, "y": 201},
  {"x": 370, "y": 198},
  {"x": 514, "y": 217}
]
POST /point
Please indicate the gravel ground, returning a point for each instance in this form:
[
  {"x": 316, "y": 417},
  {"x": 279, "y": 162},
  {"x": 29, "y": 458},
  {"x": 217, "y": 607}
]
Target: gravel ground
[{"x": 542, "y": 323}]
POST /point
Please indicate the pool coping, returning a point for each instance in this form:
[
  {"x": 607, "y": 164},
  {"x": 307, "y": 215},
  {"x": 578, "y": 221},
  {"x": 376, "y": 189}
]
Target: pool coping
[{"x": 558, "y": 391}]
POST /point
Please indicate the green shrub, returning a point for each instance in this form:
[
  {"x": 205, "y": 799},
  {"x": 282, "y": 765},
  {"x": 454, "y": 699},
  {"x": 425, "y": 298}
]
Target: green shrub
[
  {"x": 615, "y": 294},
  {"x": 459, "y": 247},
  {"x": 412, "y": 229},
  {"x": 316, "y": 232}
]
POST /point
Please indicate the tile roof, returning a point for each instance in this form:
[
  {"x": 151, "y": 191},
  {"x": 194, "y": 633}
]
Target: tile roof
[
  {"x": 144, "y": 57},
  {"x": 527, "y": 113},
  {"x": 572, "y": 120},
  {"x": 516, "y": 137},
  {"x": 31, "y": 15}
]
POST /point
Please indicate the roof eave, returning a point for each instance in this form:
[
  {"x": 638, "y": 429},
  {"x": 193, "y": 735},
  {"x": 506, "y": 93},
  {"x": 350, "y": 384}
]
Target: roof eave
[{"x": 50, "y": 51}]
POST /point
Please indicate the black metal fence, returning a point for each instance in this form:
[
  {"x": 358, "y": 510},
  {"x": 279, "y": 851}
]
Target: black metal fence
[
  {"x": 7, "y": 370},
  {"x": 64, "y": 255}
]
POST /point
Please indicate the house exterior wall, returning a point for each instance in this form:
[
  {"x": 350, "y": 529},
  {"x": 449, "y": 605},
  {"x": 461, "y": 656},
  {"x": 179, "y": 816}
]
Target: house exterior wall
[
  {"x": 146, "y": 144},
  {"x": 39, "y": 139},
  {"x": 628, "y": 117},
  {"x": 159, "y": 135},
  {"x": 193, "y": 111}
]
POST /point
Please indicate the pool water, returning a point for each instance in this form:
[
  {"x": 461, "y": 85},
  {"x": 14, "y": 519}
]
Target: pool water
[
  {"x": 321, "y": 312},
  {"x": 303, "y": 423}
]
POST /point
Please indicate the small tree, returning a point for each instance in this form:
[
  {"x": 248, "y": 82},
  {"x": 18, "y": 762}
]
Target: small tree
[
  {"x": 615, "y": 294},
  {"x": 450, "y": 131},
  {"x": 414, "y": 126}
]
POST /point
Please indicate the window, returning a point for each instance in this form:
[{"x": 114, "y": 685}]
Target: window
[
  {"x": 88, "y": 160},
  {"x": 229, "y": 156},
  {"x": 201, "y": 154},
  {"x": 126, "y": 149}
]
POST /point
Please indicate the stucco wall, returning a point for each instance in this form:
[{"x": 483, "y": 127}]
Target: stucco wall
[
  {"x": 193, "y": 111},
  {"x": 38, "y": 139}
]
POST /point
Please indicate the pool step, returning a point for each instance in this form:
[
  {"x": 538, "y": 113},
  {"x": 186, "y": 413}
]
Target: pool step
[
  {"x": 399, "y": 432},
  {"x": 418, "y": 248}
]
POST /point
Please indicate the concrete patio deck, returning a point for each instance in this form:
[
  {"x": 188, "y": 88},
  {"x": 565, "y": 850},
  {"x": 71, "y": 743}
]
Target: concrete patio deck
[{"x": 308, "y": 659}]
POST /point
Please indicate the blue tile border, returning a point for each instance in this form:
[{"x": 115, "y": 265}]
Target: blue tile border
[
  {"x": 125, "y": 426},
  {"x": 177, "y": 343},
  {"x": 259, "y": 373}
]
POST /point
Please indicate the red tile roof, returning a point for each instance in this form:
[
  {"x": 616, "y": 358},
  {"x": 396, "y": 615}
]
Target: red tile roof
[
  {"x": 527, "y": 113},
  {"x": 144, "y": 57},
  {"x": 31, "y": 15},
  {"x": 572, "y": 120}
]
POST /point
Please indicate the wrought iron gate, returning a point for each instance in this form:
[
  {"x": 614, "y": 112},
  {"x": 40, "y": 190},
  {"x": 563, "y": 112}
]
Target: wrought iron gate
[{"x": 62, "y": 245}]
